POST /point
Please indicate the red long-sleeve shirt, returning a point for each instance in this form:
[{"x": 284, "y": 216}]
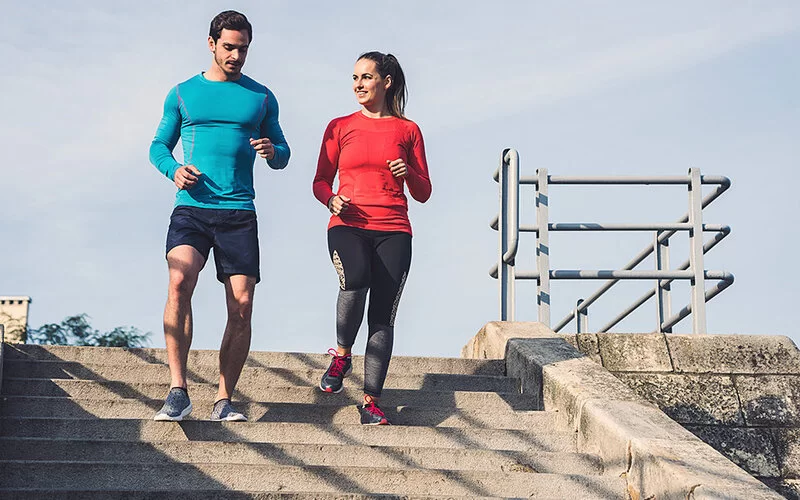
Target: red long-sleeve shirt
[{"x": 358, "y": 147}]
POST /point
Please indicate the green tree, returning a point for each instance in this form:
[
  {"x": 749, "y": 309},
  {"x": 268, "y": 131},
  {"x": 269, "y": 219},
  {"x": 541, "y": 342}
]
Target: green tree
[{"x": 76, "y": 330}]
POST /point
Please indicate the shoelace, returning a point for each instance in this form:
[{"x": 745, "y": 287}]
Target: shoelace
[
  {"x": 373, "y": 408},
  {"x": 220, "y": 406},
  {"x": 337, "y": 366}
]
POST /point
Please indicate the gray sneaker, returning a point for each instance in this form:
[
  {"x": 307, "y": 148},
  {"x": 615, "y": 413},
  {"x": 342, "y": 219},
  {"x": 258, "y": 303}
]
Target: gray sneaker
[
  {"x": 176, "y": 407},
  {"x": 223, "y": 411}
]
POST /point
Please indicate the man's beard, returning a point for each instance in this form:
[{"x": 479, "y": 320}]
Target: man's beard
[{"x": 229, "y": 70}]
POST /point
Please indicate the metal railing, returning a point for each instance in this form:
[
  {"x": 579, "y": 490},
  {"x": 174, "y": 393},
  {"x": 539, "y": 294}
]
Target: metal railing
[{"x": 508, "y": 226}]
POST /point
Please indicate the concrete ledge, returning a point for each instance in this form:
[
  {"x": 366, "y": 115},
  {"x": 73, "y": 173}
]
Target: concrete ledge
[
  {"x": 623, "y": 352},
  {"x": 733, "y": 354},
  {"x": 490, "y": 341},
  {"x": 689, "y": 470},
  {"x": 658, "y": 457}
]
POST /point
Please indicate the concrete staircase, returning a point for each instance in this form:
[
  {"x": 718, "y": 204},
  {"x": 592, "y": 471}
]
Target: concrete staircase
[{"x": 76, "y": 423}]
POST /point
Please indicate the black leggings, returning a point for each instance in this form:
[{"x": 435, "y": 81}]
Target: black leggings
[{"x": 378, "y": 262}]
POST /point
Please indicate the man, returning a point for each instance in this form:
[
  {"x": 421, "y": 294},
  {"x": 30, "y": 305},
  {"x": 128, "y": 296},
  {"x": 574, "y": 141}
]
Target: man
[{"x": 223, "y": 119}]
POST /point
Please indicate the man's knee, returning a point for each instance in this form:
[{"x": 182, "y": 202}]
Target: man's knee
[
  {"x": 181, "y": 283},
  {"x": 240, "y": 309}
]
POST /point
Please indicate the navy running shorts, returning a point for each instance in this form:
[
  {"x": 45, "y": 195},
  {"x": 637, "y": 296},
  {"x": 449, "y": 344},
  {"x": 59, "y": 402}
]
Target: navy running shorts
[{"x": 233, "y": 234}]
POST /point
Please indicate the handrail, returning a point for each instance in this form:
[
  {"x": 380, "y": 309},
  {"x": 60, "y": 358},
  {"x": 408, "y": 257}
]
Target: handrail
[
  {"x": 604, "y": 274},
  {"x": 710, "y": 294},
  {"x": 692, "y": 269},
  {"x": 725, "y": 281},
  {"x": 725, "y": 231},
  {"x": 596, "y": 226},
  {"x": 622, "y": 180},
  {"x": 507, "y": 224},
  {"x": 724, "y": 185}
]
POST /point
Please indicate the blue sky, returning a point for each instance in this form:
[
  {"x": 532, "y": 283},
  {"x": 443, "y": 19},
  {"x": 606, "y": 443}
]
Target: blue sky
[{"x": 581, "y": 88}]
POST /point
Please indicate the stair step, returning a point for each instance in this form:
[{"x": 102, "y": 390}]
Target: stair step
[
  {"x": 76, "y": 423},
  {"x": 257, "y": 359},
  {"x": 83, "y": 389},
  {"x": 269, "y": 376},
  {"x": 547, "y": 436},
  {"x": 490, "y": 417},
  {"x": 353, "y": 455},
  {"x": 36, "y": 494},
  {"x": 363, "y": 480}
]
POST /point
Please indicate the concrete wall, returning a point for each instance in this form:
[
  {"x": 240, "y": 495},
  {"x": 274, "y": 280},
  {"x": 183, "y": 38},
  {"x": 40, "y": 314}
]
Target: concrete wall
[
  {"x": 636, "y": 440},
  {"x": 14, "y": 316},
  {"x": 738, "y": 393}
]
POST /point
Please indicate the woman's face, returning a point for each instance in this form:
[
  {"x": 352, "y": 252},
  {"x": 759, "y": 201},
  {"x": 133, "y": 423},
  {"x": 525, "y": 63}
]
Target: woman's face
[{"x": 368, "y": 85}]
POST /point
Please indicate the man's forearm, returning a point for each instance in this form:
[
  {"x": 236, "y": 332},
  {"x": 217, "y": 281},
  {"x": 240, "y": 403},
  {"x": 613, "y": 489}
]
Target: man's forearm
[
  {"x": 161, "y": 157},
  {"x": 281, "y": 157}
]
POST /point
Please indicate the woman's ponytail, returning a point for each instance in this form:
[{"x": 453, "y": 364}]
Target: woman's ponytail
[{"x": 397, "y": 94}]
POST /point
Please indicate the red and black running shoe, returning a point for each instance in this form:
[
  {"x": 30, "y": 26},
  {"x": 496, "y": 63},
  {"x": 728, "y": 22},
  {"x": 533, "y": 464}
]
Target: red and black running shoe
[
  {"x": 340, "y": 367},
  {"x": 372, "y": 415}
]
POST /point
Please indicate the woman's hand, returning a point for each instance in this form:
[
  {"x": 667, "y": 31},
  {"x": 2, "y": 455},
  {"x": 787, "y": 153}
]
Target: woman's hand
[
  {"x": 338, "y": 204},
  {"x": 398, "y": 167}
]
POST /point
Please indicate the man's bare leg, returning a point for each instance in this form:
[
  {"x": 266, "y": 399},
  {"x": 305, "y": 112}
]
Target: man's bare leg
[
  {"x": 185, "y": 264},
  {"x": 239, "y": 290}
]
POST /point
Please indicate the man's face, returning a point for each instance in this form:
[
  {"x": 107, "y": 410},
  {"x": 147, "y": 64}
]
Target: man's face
[{"x": 230, "y": 51}]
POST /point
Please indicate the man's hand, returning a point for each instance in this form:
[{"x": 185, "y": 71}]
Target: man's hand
[
  {"x": 186, "y": 176},
  {"x": 398, "y": 167},
  {"x": 338, "y": 204},
  {"x": 263, "y": 147}
]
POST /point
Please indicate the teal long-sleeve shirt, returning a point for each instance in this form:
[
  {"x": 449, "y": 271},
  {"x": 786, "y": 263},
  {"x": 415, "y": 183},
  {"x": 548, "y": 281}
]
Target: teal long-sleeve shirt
[{"x": 215, "y": 122}]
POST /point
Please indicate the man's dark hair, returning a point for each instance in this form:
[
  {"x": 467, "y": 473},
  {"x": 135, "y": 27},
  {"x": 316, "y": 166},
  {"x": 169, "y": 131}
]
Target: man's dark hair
[{"x": 229, "y": 20}]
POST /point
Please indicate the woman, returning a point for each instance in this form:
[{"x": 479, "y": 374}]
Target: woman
[{"x": 376, "y": 151}]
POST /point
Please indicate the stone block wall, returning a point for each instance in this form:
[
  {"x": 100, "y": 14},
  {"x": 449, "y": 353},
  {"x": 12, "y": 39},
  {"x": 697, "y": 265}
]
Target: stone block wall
[
  {"x": 738, "y": 393},
  {"x": 14, "y": 316}
]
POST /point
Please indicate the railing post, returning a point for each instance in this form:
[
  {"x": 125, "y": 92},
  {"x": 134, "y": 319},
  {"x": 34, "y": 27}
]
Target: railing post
[
  {"x": 582, "y": 318},
  {"x": 508, "y": 223},
  {"x": 543, "y": 246},
  {"x": 663, "y": 298},
  {"x": 696, "y": 252}
]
